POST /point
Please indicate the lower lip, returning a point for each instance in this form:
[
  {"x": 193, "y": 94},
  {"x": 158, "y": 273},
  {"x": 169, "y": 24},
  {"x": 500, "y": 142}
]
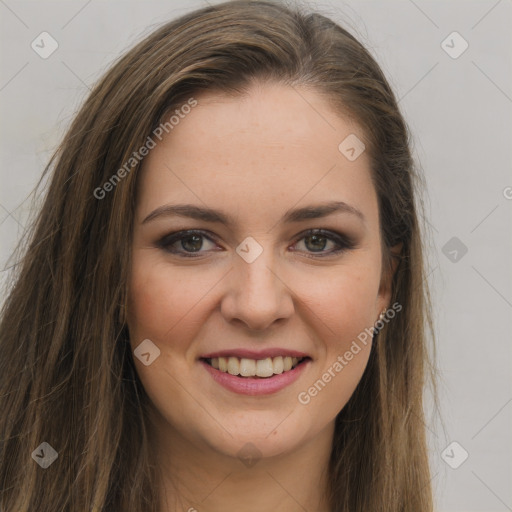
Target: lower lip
[{"x": 256, "y": 386}]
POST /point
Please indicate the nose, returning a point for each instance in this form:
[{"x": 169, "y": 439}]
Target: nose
[{"x": 256, "y": 295}]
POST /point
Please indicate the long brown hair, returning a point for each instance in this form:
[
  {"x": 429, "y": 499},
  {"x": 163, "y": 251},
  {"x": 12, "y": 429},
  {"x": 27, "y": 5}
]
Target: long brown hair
[{"x": 67, "y": 375}]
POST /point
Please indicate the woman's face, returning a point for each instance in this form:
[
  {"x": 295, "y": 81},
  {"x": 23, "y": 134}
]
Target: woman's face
[{"x": 259, "y": 285}]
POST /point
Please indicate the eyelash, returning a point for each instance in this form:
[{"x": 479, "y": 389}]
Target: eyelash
[{"x": 343, "y": 242}]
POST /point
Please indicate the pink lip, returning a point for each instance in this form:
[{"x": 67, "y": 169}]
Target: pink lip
[
  {"x": 255, "y": 354},
  {"x": 256, "y": 385}
]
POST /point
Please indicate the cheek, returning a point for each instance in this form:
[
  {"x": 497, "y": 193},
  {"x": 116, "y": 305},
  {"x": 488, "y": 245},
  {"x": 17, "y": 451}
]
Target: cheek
[
  {"x": 343, "y": 300},
  {"x": 343, "y": 309},
  {"x": 166, "y": 305}
]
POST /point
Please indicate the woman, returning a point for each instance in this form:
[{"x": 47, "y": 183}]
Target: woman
[{"x": 223, "y": 303}]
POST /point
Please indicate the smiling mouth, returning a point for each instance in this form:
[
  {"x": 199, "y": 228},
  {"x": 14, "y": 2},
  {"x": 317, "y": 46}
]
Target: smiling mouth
[{"x": 261, "y": 368}]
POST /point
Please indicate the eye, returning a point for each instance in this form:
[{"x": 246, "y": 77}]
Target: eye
[
  {"x": 316, "y": 240},
  {"x": 188, "y": 244},
  {"x": 184, "y": 243}
]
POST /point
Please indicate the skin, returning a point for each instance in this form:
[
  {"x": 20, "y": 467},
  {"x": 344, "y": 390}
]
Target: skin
[{"x": 253, "y": 157}]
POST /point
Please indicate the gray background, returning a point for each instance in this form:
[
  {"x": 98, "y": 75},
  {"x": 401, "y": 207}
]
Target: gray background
[{"x": 459, "y": 110}]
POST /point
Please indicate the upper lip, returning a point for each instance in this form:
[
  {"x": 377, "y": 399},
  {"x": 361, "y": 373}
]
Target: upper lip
[{"x": 254, "y": 354}]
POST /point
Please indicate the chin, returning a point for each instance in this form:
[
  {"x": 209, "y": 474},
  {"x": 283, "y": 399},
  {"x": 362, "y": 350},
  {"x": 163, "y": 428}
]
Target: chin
[{"x": 264, "y": 437}]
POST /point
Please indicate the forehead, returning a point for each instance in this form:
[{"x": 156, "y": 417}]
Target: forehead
[{"x": 263, "y": 152}]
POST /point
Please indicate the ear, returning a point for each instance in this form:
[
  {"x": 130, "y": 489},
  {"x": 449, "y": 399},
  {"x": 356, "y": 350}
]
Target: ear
[{"x": 385, "y": 288}]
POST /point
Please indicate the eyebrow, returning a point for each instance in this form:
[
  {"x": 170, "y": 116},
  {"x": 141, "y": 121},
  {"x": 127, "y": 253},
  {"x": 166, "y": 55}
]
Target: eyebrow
[{"x": 211, "y": 215}]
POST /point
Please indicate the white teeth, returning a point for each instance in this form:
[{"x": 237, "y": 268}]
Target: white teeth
[
  {"x": 278, "y": 364},
  {"x": 264, "y": 367},
  {"x": 233, "y": 366},
  {"x": 247, "y": 367},
  {"x": 223, "y": 364},
  {"x": 254, "y": 368}
]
